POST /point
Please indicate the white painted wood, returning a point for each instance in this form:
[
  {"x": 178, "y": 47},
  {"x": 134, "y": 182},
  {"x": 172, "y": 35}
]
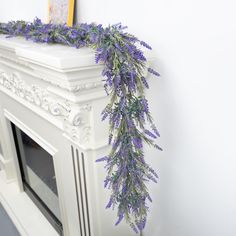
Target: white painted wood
[
  {"x": 55, "y": 94},
  {"x": 25, "y": 215}
]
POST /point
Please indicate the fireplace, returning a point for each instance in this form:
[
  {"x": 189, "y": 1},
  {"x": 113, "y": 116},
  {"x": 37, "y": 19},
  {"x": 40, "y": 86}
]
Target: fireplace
[{"x": 51, "y": 133}]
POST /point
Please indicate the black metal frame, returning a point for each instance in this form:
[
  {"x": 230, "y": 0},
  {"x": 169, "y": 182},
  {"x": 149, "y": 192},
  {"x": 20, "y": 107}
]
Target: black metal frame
[{"x": 53, "y": 220}]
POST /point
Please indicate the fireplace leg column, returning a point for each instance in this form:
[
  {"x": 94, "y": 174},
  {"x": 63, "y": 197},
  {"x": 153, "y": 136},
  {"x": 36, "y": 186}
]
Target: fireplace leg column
[{"x": 7, "y": 155}]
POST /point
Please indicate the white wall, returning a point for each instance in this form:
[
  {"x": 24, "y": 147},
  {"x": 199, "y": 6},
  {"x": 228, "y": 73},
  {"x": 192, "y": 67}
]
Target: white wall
[
  {"x": 193, "y": 104},
  {"x": 23, "y": 10}
]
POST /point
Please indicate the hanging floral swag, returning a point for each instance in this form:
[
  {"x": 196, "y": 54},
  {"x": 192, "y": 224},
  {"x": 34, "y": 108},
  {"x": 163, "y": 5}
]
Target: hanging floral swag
[{"x": 127, "y": 111}]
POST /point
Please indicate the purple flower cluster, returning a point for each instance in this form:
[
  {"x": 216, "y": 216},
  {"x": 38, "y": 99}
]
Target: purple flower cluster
[{"x": 128, "y": 112}]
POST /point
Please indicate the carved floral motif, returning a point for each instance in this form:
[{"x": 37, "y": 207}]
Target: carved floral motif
[
  {"x": 87, "y": 86},
  {"x": 76, "y": 118}
]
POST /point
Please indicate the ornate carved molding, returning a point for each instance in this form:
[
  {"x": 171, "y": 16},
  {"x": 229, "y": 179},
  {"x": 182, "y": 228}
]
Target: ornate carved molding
[
  {"x": 86, "y": 86},
  {"x": 75, "y": 117},
  {"x": 75, "y": 89},
  {"x": 15, "y": 60},
  {"x": 35, "y": 94},
  {"x": 80, "y": 134}
]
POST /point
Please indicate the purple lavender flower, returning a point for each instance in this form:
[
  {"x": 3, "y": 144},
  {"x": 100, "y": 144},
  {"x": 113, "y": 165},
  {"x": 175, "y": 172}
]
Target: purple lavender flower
[
  {"x": 150, "y": 70},
  {"x": 117, "y": 45},
  {"x": 122, "y": 103},
  {"x": 153, "y": 172},
  {"x": 130, "y": 123},
  {"x": 158, "y": 147},
  {"x": 145, "y": 82},
  {"x": 37, "y": 22},
  {"x": 149, "y": 198},
  {"x": 93, "y": 37},
  {"x": 74, "y": 34},
  {"x": 134, "y": 228},
  {"x": 116, "y": 143},
  {"x": 106, "y": 181},
  {"x": 109, "y": 204},
  {"x": 104, "y": 116},
  {"x": 102, "y": 159},
  {"x": 141, "y": 224},
  {"x": 138, "y": 55},
  {"x": 155, "y": 130},
  {"x": 117, "y": 80},
  {"x": 145, "y": 45},
  {"x": 117, "y": 121},
  {"x": 149, "y": 133},
  {"x": 110, "y": 138},
  {"x": 121, "y": 216},
  {"x": 138, "y": 142},
  {"x": 151, "y": 178},
  {"x": 144, "y": 102}
]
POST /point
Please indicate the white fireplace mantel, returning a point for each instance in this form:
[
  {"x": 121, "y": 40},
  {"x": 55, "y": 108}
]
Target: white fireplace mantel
[{"x": 55, "y": 95}]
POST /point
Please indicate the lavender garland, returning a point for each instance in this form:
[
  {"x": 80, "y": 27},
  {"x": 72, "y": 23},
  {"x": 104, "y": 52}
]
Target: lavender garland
[{"x": 127, "y": 111}]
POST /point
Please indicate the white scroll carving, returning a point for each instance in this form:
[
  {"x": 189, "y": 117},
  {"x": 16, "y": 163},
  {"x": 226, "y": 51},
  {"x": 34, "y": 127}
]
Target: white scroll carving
[{"x": 75, "y": 117}]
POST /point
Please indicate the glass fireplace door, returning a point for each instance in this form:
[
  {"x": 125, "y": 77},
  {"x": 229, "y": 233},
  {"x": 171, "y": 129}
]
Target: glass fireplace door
[{"x": 38, "y": 176}]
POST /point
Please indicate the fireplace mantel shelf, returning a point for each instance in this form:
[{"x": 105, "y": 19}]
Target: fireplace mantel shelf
[{"x": 58, "y": 57}]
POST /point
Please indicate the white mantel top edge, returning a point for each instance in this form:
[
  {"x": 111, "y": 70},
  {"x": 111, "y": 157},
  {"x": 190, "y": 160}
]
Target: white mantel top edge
[{"x": 60, "y": 57}]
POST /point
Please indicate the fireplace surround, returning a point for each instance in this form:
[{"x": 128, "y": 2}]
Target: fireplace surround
[{"x": 53, "y": 95}]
